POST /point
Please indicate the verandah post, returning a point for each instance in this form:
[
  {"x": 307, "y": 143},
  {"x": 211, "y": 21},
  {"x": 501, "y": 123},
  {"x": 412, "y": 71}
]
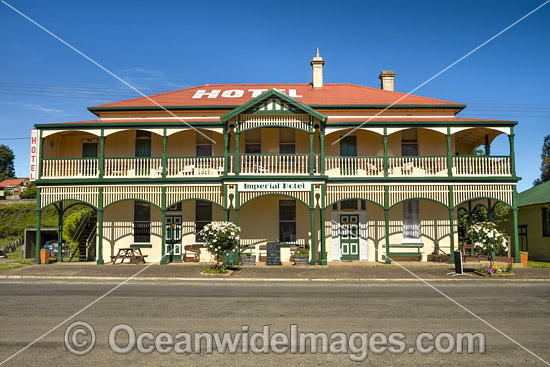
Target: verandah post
[
  {"x": 100, "y": 228},
  {"x": 38, "y": 234},
  {"x": 60, "y": 232},
  {"x": 323, "y": 239},
  {"x": 385, "y": 138},
  {"x": 101, "y": 153},
  {"x": 512, "y": 152},
  {"x": 163, "y": 229},
  {"x": 225, "y": 150},
  {"x": 449, "y": 153},
  {"x": 313, "y": 247},
  {"x": 387, "y": 220},
  {"x": 451, "y": 224},
  {"x": 311, "y": 152},
  {"x": 164, "y": 157},
  {"x": 515, "y": 220},
  {"x": 237, "y": 157},
  {"x": 322, "y": 148}
]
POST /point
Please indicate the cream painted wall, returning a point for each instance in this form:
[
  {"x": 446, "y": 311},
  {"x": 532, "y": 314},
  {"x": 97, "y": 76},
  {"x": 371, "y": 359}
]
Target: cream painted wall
[
  {"x": 259, "y": 221},
  {"x": 537, "y": 245},
  {"x": 431, "y": 143},
  {"x": 369, "y": 144},
  {"x": 65, "y": 145},
  {"x": 121, "y": 144}
]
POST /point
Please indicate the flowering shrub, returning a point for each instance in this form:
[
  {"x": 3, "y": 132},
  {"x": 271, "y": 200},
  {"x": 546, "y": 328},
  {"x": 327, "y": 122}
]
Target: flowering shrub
[
  {"x": 488, "y": 238},
  {"x": 220, "y": 238},
  {"x": 491, "y": 270}
]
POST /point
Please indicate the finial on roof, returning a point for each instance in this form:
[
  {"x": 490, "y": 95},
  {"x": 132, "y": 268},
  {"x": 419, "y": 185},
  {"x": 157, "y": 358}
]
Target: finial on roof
[{"x": 317, "y": 53}]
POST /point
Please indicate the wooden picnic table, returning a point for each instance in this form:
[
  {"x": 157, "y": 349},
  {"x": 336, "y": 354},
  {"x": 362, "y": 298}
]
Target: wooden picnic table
[{"x": 133, "y": 254}]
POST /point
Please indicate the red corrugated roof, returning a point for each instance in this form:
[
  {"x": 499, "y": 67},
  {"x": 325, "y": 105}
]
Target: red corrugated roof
[
  {"x": 11, "y": 182},
  {"x": 237, "y": 94}
]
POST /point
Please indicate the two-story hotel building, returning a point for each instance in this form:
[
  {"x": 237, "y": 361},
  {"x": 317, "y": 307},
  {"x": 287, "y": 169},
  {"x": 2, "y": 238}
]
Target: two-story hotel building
[{"x": 327, "y": 166}]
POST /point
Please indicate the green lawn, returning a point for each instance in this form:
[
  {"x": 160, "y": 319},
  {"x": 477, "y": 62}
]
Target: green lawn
[
  {"x": 538, "y": 264},
  {"x": 10, "y": 266}
]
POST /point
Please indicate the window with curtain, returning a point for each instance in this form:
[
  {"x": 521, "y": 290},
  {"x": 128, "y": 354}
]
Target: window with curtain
[
  {"x": 411, "y": 220},
  {"x": 287, "y": 141},
  {"x": 203, "y": 216},
  {"x": 143, "y": 143},
  {"x": 142, "y": 222},
  {"x": 409, "y": 143},
  {"x": 348, "y": 146},
  {"x": 203, "y": 144},
  {"x": 287, "y": 221}
]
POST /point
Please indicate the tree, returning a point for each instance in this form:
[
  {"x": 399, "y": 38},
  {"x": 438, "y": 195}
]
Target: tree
[
  {"x": 29, "y": 193},
  {"x": 7, "y": 157},
  {"x": 545, "y": 163}
]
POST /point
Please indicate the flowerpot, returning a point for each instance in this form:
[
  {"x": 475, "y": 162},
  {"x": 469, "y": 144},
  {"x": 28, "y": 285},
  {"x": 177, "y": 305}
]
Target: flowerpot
[
  {"x": 44, "y": 256},
  {"x": 301, "y": 260},
  {"x": 248, "y": 260},
  {"x": 523, "y": 258}
]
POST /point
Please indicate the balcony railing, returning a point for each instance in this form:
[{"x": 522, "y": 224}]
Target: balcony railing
[
  {"x": 194, "y": 167},
  {"x": 133, "y": 167},
  {"x": 481, "y": 166},
  {"x": 354, "y": 166},
  {"x": 276, "y": 164},
  {"x": 273, "y": 164},
  {"x": 417, "y": 166},
  {"x": 70, "y": 167}
]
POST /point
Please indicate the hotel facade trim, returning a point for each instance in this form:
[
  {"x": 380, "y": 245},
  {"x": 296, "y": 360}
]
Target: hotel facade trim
[{"x": 336, "y": 168}]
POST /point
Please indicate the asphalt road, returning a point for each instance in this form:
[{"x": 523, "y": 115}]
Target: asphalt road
[{"x": 28, "y": 309}]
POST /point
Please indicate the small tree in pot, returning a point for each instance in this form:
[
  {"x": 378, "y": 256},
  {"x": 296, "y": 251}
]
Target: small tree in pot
[
  {"x": 488, "y": 238},
  {"x": 301, "y": 257},
  {"x": 220, "y": 239}
]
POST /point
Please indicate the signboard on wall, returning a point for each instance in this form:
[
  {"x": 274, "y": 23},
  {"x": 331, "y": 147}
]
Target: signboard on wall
[
  {"x": 273, "y": 186},
  {"x": 34, "y": 154}
]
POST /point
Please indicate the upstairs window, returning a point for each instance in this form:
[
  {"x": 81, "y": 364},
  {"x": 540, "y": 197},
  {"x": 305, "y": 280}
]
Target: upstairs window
[
  {"x": 142, "y": 222},
  {"x": 253, "y": 141},
  {"x": 89, "y": 148},
  {"x": 411, "y": 220},
  {"x": 409, "y": 142},
  {"x": 203, "y": 216},
  {"x": 287, "y": 141},
  {"x": 143, "y": 143},
  {"x": 348, "y": 146},
  {"x": 203, "y": 144}
]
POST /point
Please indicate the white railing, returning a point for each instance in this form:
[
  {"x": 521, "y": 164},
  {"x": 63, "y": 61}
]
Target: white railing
[
  {"x": 417, "y": 166},
  {"x": 481, "y": 166},
  {"x": 354, "y": 166},
  {"x": 132, "y": 167},
  {"x": 194, "y": 167},
  {"x": 274, "y": 164},
  {"x": 70, "y": 167}
]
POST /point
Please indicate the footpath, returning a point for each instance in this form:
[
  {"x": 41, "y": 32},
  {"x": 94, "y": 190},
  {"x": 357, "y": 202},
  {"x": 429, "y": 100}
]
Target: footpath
[{"x": 344, "y": 272}]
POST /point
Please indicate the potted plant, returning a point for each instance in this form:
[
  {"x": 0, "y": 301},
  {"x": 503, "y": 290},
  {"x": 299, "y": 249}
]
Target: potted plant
[
  {"x": 488, "y": 238},
  {"x": 524, "y": 256},
  {"x": 301, "y": 257},
  {"x": 220, "y": 239}
]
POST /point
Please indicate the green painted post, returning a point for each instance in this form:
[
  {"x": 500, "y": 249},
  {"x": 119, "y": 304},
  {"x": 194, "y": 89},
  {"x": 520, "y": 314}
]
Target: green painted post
[
  {"x": 60, "y": 233},
  {"x": 313, "y": 247},
  {"x": 225, "y": 149},
  {"x": 323, "y": 238},
  {"x": 238, "y": 248},
  {"x": 385, "y": 137},
  {"x": 490, "y": 209},
  {"x": 387, "y": 217},
  {"x": 512, "y": 152},
  {"x": 451, "y": 224},
  {"x": 163, "y": 238},
  {"x": 322, "y": 149},
  {"x": 311, "y": 153},
  {"x": 237, "y": 158},
  {"x": 487, "y": 145},
  {"x": 38, "y": 234},
  {"x": 100, "y": 228},
  {"x": 449, "y": 153},
  {"x": 39, "y": 163},
  {"x": 164, "y": 158},
  {"x": 516, "y": 235},
  {"x": 102, "y": 154}
]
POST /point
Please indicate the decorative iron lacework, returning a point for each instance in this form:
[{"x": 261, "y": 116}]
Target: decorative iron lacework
[
  {"x": 300, "y": 195},
  {"x": 212, "y": 193},
  {"x": 301, "y": 122},
  {"x": 502, "y": 192},
  {"x": 51, "y": 194},
  {"x": 113, "y": 194},
  {"x": 439, "y": 193},
  {"x": 374, "y": 193}
]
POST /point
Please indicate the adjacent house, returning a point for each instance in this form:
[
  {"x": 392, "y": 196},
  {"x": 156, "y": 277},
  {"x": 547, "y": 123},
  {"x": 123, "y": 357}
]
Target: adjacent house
[
  {"x": 13, "y": 187},
  {"x": 350, "y": 172},
  {"x": 533, "y": 222}
]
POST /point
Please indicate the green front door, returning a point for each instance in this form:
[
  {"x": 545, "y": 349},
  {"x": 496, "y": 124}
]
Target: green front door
[
  {"x": 173, "y": 238},
  {"x": 349, "y": 237}
]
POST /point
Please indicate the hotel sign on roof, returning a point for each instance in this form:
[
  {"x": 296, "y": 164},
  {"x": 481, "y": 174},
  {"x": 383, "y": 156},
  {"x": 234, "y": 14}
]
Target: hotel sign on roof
[{"x": 238, "y": 93}]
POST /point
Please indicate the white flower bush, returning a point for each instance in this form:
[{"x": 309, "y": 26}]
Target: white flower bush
[
  {"x": 220, "y": 238},
  {"x": 487, "y": 237}
]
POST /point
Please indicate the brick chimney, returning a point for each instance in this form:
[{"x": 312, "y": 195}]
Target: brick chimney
[
  {"x": 317, "y": 65},
  {"x": 386, "y": 77}
]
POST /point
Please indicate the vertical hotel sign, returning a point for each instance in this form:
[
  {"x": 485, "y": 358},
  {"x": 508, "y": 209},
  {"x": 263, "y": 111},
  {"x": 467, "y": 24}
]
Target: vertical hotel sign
[{"x": 34, "y": 154}]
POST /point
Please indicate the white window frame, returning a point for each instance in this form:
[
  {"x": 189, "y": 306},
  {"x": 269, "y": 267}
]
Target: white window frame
[
  {"x": 279, "y": 220},
  {"x": 134, "y": 221},
  {"x": 415, "y": 220}
]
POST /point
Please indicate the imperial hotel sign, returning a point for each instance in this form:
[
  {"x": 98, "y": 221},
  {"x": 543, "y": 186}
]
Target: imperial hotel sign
[{"x": 292, "y": 164}]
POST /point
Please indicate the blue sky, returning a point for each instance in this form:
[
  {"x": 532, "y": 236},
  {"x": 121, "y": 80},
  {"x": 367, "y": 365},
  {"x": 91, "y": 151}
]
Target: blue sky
[{"x": 168, "y": 45}]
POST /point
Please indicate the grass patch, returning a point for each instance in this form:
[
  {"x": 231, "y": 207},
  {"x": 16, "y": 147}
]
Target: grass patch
[
  {"x": 17, "y": 254},
  {"x": 10, "y": 266},
  {"x": 538, "y": 264}
]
